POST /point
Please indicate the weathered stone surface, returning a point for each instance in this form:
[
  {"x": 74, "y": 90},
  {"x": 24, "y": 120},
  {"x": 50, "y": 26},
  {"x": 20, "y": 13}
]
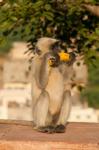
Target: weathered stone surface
[{"x": 78, "y": 136}]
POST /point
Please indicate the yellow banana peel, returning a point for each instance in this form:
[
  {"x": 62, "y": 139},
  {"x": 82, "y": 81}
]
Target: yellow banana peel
[{"x": 64, "y": 56}]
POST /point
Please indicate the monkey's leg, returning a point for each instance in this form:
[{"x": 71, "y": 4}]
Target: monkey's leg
[
  {"x": 41, "y": 109},
  {"x": 41, "y": 113},
  {"x": 64, "y": 113}
]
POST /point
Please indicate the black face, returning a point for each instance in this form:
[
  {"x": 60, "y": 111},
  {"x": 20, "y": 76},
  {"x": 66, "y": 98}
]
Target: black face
[
  {"x": 55, "y": 48},
  {"x": 58, "y": 46}
]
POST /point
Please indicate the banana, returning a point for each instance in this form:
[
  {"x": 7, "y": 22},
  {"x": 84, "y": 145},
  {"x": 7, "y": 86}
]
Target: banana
[{"x": 64, "y": 56}]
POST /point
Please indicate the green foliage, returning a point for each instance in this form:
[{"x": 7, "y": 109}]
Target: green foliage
[
  {"x": 92, "y": 96},
  {"x": 91, "y": 93},
  {"x": 28, "y": 20}
]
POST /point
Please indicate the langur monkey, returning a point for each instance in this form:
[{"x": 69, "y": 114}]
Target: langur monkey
[{"x": 51, "y": 103}]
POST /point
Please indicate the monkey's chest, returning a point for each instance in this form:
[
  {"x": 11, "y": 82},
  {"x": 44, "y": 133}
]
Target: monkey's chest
[{"x": 55, "y": 89}]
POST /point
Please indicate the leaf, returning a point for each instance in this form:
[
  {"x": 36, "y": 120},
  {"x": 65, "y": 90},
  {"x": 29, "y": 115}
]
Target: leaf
[
  {"x": 38, "y": 4},
  {"x": 48, "y": 7},
  {"x": 48, "y": 15},
  {"x": 13, "y": 18},
  {"x": 97, "y": 31}
]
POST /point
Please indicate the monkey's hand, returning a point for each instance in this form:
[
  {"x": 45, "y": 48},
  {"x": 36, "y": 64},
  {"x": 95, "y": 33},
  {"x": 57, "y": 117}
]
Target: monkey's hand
[{"x": 54, "y": 61}]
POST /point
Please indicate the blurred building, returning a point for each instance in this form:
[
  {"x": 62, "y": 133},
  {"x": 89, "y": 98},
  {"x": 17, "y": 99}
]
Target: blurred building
[
  {"x": 16, "y": 67},
  {"x": 15, "y": 81},
  {"x": 2, "y": 60},
  {"x": 16, "y": 72},
  {"x": 79, "y": 114},
  {"x": 15, "y": 96},
  {"x": 18, "y": 50}
]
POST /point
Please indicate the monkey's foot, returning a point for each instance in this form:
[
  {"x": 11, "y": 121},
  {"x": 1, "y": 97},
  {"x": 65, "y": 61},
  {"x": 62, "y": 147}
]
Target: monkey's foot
[
  {"x": 47, "y": 129},
  {"x": 60, "y": 128}
]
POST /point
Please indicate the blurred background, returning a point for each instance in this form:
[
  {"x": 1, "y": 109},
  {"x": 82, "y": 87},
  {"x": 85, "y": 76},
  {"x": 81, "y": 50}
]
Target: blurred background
[{"x": 22, "y": 23}]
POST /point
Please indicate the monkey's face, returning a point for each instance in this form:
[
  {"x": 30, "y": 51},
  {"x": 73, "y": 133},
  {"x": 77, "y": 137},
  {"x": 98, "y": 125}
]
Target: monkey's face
[
  {"x": 57, "y": 50},
  {"x": 58, "y": 58},
  {"x": 60, "y": 54}
]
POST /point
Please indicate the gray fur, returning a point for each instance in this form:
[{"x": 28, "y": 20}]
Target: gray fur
[{"x": 51, "y": 103}]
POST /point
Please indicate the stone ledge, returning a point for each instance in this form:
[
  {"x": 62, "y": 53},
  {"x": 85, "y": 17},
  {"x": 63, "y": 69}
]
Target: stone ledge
[{"x": 21, "y": 136}]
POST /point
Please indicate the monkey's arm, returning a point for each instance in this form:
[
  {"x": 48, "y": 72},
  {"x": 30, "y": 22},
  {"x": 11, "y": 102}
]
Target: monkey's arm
[{"x": 42, "y": 75}]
